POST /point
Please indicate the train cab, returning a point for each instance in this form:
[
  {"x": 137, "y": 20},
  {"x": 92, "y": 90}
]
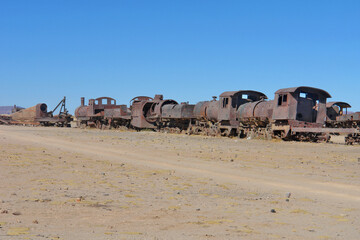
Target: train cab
[
  {"x": 98, "y": 105},
  {"x": 100, "y": 111},
  {"x": 302, "y": 104},
  {"x": 230, "y": 101},
  {"x": 334, "y": 109}
]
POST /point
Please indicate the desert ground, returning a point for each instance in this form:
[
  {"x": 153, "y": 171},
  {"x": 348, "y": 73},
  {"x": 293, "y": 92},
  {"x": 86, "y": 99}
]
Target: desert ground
[{"x": 65, "y": 183}]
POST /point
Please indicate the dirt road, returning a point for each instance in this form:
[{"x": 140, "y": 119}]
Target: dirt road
[{"x": 89, "y": 184}]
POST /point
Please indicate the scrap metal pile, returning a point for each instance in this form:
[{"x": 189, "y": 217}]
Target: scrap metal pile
[
  {"x": 298, "y": 113},
  {"x": 39, "y": 115}
]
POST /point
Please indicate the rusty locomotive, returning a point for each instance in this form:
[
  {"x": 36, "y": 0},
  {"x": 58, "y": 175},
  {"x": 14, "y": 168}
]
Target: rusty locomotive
[
  {"x": 102, "y": 113},
  {"x": 299, "y": 113}
]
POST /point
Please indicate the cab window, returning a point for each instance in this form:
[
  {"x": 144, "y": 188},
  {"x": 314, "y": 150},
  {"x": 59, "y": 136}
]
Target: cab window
[
  {"x": 303, "y": 95},
  {"x": 282, "y": 100},
  {"x": 225, "y": 102}
]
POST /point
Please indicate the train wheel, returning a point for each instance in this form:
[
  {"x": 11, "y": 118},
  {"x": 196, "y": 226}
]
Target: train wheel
[
  {"x": 98, "y": 124},
  {"x": 225, "y": 133},
  {"x": 285, "y": 136}
]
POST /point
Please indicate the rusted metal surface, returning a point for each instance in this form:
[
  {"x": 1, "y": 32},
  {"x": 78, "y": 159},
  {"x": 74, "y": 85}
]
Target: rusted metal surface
[
  {"x": 323, "y": 130},
  {"x": 63, "y": 118},
  {"x": 146, "y": 111},
  {"x": 200, "y": 110},
  {"x": 352, "y": 138},
  {"x": 121, "y": 112},
  {"x": 339, "y": 119},
  {"x": 334, "y": 109},
  {"x": 30, "y": 115},
  {"x": 156, "y": 108},
  {"x": 225, "y": 109},
  {"x": 260, "y": 110},
  {"x": 298, "y": 113},
  {"x": 212, "y": 111},
  {"x": 304, "y": 89},
  {"x": 349, "y": 117},
  {"x": 229, "y": 102},
  {"x": 178, "y": 111},
  {"x": 220, "y": 117},
  {"x": 39, "y": 115},
  {"x": 96, "y": 107},
  {"x": 176, "y": 118},
  {"x": 139, "y": 107},
  {"x": 299, "y": 108},
  {"x": 339, "y": 104},
  {"x": 300, "y": 103},
  {"x": 102, "y": 112}
]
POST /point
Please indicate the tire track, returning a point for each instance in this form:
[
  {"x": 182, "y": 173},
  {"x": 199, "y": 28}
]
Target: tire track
[{"x": 194, "y": 166}]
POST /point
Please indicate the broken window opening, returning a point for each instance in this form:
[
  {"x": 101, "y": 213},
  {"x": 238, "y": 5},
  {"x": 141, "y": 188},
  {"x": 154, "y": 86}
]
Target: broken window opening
[
  {"x": 303, "y": 95},
  {"x": 225, "y": 102},
  {"x": 284, "y": 98}
]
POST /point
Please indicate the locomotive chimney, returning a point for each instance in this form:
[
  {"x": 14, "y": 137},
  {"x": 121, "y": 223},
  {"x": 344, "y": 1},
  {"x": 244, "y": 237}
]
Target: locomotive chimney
[
  {"x": 214, "y": 98},
  {"x": 159, "y": 97},
  {"x": 82, "y": 101}
]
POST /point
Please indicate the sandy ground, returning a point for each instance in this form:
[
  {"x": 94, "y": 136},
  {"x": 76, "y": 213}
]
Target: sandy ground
[{"x": 58, "y": 183}]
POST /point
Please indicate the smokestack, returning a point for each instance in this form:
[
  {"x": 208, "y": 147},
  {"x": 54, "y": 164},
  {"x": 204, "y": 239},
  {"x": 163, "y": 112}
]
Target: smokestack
[{"x": 82, "y": 101}]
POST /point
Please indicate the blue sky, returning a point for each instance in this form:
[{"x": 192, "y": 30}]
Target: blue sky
[{"x": 186, "y": 50}]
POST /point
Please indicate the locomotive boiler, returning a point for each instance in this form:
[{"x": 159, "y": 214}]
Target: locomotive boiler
[{"x": 177, "y": 118}]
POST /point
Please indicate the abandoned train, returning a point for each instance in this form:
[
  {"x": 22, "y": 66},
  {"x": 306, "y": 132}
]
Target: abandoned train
[
  {"x": 39, "y": 115},
  {"x": 299, "y": 113}
]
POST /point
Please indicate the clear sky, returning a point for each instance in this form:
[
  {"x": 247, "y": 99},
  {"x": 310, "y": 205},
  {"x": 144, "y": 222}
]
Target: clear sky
[{"x": 186, "y": 50}]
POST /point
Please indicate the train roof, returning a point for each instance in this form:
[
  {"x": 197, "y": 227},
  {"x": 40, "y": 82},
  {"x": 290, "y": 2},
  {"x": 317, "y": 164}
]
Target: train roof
[
  {"x": 340, "y": 104},
  {"x": 305, "y": 89},
  {"x": 104, "y": 98},
  {"x": 232, "y": 93}
]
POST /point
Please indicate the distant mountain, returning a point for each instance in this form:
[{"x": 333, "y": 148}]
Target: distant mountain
[{"x": 9, "y": 109}]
